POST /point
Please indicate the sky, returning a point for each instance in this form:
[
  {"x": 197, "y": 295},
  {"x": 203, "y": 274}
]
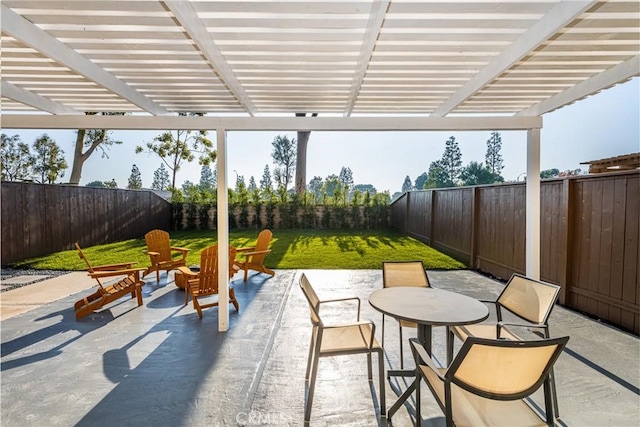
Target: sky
[{"x": 600, "y": 126}]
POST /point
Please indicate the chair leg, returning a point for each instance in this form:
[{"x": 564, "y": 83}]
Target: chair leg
[
  {"x": 196, "y": 305},
  {"x": 138, "y": 293},
  {"x": 382, "y": 342},
  {"x": 158, "y": 276},
  {"x": 401, "y": 346},
  {"x": 312, "y": 385},
  {"x": 554, "y": 394},
  {"x": 369, "y": 367},
  {"x": 418, "y": 410},
  {"x": 310, "y": 358},
  {"x": 383, "y": 400}
]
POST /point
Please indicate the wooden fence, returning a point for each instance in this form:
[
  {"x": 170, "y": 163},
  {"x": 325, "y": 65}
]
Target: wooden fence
[
  {"x": 590, "y": 229},
  {"x": 39, "y": 219}
]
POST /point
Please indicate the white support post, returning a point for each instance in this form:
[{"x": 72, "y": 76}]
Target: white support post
[
  {"x": 532, "y": 242},
  {"x": 223, "y": 232}
]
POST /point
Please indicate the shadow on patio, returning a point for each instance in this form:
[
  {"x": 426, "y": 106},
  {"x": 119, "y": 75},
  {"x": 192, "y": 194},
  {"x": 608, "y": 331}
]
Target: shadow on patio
[{"x": 160, "y": 365}]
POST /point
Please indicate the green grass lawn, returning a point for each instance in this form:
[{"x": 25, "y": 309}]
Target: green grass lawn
[{"x": 291, "y": 249}]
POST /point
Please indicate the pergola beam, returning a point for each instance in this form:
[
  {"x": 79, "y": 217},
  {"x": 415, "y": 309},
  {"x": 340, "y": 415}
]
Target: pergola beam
[
  {"x": 374, "y": 24},
  {"x": 614, "y": 75},
  {"x": 27, "y": 121},
  {"x": 188, "y": 18},
  {"x": 34, "y": 100},
  {"x": 557, "y": 18},
  {"x": 23, "y": 30}
]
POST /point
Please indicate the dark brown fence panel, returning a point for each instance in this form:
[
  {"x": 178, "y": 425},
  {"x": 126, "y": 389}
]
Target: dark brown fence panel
[
  {"x": 501, "y": 229},
  {"x": 39, "y": 219},
  {"x": 604, "y": 249},
  {"x": 590, "y": 234},
  {"x": 419, "y": 215},
  {"x": 398, "y": 212},
  {"x": 452, "y": 219}
]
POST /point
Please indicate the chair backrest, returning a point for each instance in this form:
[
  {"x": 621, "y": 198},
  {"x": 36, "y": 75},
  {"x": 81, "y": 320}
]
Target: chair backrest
[
  {"x": 84, "y": 258},
  {"x": 312, "y": 299},
  {"x": 504, "y": 369},
  {"x": 529, "y": 299},
  {"x": 264, "y": 238},
  {"x": 208, "y": 275},
  {"x": 158, "y": 241},
  {"x": 404, "y": 273}
]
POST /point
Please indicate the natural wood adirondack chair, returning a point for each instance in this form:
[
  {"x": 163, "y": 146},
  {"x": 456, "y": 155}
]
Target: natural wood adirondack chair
[
  {"x": 130, "y": 284},
  {"x": 160, "y": 251},
  {"x": 253, "y": 257},
  {"x": 205, "y": 282}
]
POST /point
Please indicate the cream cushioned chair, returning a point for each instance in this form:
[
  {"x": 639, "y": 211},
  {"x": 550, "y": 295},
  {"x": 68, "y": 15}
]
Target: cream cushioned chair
[
  {"x": 337, "y": 340},
  {"x": 527, "y": 299},
  {"x": 488, "y": 380},
  {"x": 403, "y": 273}
]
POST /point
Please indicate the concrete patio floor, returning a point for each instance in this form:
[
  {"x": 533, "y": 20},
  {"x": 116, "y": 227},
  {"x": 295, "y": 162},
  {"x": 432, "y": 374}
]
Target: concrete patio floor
[{"x": 160, "y": 365}]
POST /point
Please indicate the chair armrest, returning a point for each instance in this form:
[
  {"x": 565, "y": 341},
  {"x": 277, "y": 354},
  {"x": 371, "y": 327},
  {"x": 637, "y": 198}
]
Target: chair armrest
[
  {"x": 248, "y": 254},
  {"x": 183, "y": 251},
  {"x": 501, "y": 325},
  {"x": 342, "y": 300},
  {"x": 187, "y": 272},
  {"x": 111, "y": 267},
  {"x": 99, "y": 274},
  {"x": 421, "y": 355},
  {"x": 248, "y": 248}
]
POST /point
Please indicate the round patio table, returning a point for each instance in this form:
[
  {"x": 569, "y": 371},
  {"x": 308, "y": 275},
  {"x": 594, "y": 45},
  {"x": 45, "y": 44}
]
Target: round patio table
[{"x": 427, "y": 307}]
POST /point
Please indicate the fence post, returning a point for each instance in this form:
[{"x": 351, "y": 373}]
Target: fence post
[
  {"x": 475, "y": 201},
  {"x": 565, "y": 239},
  {"x": 432, "y": 216},
  {"x": 407, "y": 216}
]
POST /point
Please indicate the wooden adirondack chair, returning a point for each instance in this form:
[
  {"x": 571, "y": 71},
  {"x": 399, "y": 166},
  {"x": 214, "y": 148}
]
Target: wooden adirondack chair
[
  {"x": 253, "y": 257},
  {"x": 205, "y": 282},
  {"x": 160, "y": 253},
  {"x": 131, "y": 284}
]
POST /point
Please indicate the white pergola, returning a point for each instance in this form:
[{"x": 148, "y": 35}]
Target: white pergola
[{"x": 362, "y": 65}]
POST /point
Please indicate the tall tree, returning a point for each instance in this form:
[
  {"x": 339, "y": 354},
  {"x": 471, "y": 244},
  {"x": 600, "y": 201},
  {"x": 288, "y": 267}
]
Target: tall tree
[
  {"x": 284, "y": 157},
  {"x": 266, "y": 184},
  {"x": 406, "y": 185},
  {"x": 90, "y": 139},
  {"x": 493, "y": 158},
  {"x": 181, "y": 146},
  {"x": 301, "y": 157},
  {"x": 252, "y": 184},
  {"x": 15, "y": 159},
  {"x": 160, "y": 178},
  {"x": 48, "y": 160},
  {"x": 421, "y": 181},
  {"x": 476, "y": 173},
  {"x": 331, "y": 184},
  {"x": 549, "y": 173},
  {"x": 346, "y": 177},
  {"x": 135, "y": 179},
  {"x": 315, "y": 187},
  {"x": 437, "y": 176},
  {"x": 208, "y": 178},
  {"x": 451, "y": 161}
]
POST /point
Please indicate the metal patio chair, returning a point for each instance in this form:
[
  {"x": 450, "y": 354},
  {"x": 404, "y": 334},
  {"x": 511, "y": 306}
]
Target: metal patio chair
[
  {"x": 529, "y": 300},
  {"x": 403, "y": 273},
  {"x": 487, "y": 382},
  {"x": 329, "y": 340}
]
